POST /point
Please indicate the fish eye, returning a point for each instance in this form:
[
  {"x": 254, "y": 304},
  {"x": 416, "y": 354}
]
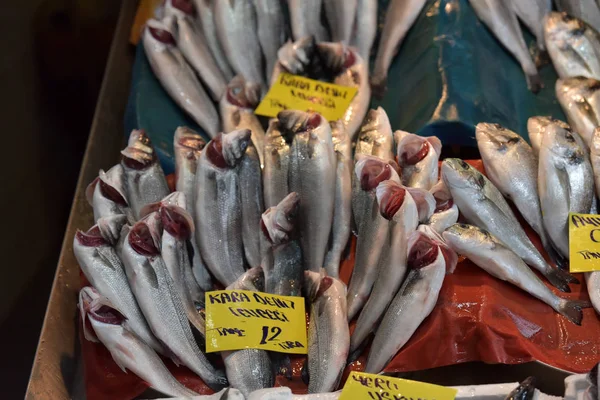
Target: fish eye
[{"x": 463, "y": 164}]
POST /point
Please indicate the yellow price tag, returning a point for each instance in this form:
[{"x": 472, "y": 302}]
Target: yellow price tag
[
  {"x": 243, "y": 319},
  {"x": 584, "y": 242},
  {"x": 379, "y": 387},
  {"x": 292, "y": 92}
]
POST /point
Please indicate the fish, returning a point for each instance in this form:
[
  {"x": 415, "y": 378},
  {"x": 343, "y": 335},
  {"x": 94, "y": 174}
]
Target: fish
[
  {"x": 586, "y": 10},
  {"x": 104, "y": 270},
  {"x": 156, "y": 294},
  {"x": 177, "y": 77},
  {"x": 532, "y": 14},
  {"x": 237, "y": 111},
  {"x": 218, "y": 205},
  {"x": 418, "y": 158},
  {"x": 536, "y": 128},
  {"x": 372, "y": 228},
  {"x": 565, "y": 183},
  {"x": 272, "y": 31},
  {"x": 491, "y": 255},
  {"x": 111, "y": 228},
  {"x": 276, "y": 164},
  {"x": 399, "y": 18},
  {"x": 238, "y": 34},
  {"x": 579, "y": 98},
  {"x": 375, "y": 137},
  {"x": 412, "y": 304},
  {"x": 398, "y": 207},
  {"x": 107, "y": 195},
  {"x": 305, "y": 19},
  {"x": 128, "y": 351},
  {"x": 145, "y": 181},
  {"x": 365, "y": 27},
  {"x": 191, "y": 42},
  {"x": 341, "y": 15},
  {"x": 445, "y": 213},
  {"x": 482, "y": 204},
  {"x": 595, "y": 159},
  {"x": 524, "y": 391},
  {"x": 311, "y": 174},
  {"x": 206, "y": 21},
  {"x": 499, "y": 17},
  {"x": 573, "y": 46},
  {"x": 251, "y": 196},
  {"x": 342, "y": 211},
  {"x": 328, "y": 332},
  {"x": 424, "y": 201},
  {"x": 592, "y": 378},
  {"x": 512, "y": 167}
]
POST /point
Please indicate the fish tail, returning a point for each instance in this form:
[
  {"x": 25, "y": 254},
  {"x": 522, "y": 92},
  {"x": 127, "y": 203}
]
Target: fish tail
[
  {"x": 571, "y": 309},
  {"x": 379, "y": 85},
  {"x": 560, "y": 279},
  {"x": 534, "y": 82},
  {"x": 356, "y": 352}
]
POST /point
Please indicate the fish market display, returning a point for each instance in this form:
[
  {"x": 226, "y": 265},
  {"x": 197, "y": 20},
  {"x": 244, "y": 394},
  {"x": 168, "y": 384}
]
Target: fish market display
[
  {"x": 271, "y": 31},
  {"x": 341, "y": 16},
  {"x": 532, "y": 14},
  {"x": 586, "y": 10},
  {"x": 580, "y": 100},
  {"x": 365, "y": 27},
  {"x": 305, "y": 19},
  {"x": 536, "y": 128},
  {"x": 445, "y": 213},
  {"x": 106, "y": 194},
  {"x": 418, "y": 157},
  {"x": 375, "y": 137}
]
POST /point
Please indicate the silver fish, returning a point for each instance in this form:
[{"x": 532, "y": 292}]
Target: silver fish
[
  {"x": 372, "y": 228},
  {"x": 365, "y": 27},
  {"x": 579, "y": 98},
  {"x": 277, "y": 159},
  {"x": 532, "y": 14},
  {"x": 145, "y": 181},
  {"x": 375, "y": 137},
  {"x": 311, "y": 174},
  {"x": 446, "y": 212},
  {"x": 565, "y": 183},
  {"x": 418, "y": 157},
  {"x": 399, "y": 18},
  {"x": 341, "y": 15},
  {"x": 272, "y": 32},
  {"x": 536, "y": 128},
  {"x": 190, "y": 40},
  {"x": 219, "y": 207},
  {"x": 595, "y": 158},
  {"x": 296, "y": 58},
  {"x": 424, "y": 201},
  {"x": 237, "y": 31},
  {"x": 499, "y": 17},
  {"x": 156, "y": 294},
  {"x": 592, "y": 280},
  {"x": 107, "y": 194},
  {"x": 397, "y": 206},
  {"x": 586, "y": 10},
  {"x": 104, "y": 270},
  {"x": 492, "y": 256},
  {"x": 328, "y": 332},
  {"x": 111, "y": 228},
  {"x": 573, "y": 45},
  {"x": 450, "y": 256},
  {"x": 251, "y": 196},
  {"x": 413, "y": 302},
  {"x": 342, "y": 211},
  {"x": 177, "y": 77},
  {"x": 305, "y": 19},
  {"x": 482, "y": 204}
]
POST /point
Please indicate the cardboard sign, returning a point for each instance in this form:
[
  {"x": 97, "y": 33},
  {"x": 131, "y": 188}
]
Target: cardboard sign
[
  {"x": 584, "y": 242},
  {"x": 379, "y": 387}
]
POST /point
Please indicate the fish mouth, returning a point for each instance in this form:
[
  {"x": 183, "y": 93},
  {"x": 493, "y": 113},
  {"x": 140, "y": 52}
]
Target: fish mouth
[
  {"x": 423, "y": 251},
  {"x": 142, "y": 241},
  {"x": 443, "y": 201},
  {"x": 456, "y": 172},
  {"x": 176, "y": 221},
  {"x": 189, "y": 139},
  {"x": 294, "y": 121},
  {"x": 412, "y": 149},
  {"x": 390, "y": 196},
  {"x": 277, "y": 223},
  {"x": 110, "y": 192},
  {"x": 227, "y": 149},
  {"x": 160, "y": 32},
  {"x": 92, "y": 238},
  {"x": 371, "y": 171},
  {"x": 185, "y": 6},
  {"x": 139, "y": 153},
  {"x": 243, "y": 94}
]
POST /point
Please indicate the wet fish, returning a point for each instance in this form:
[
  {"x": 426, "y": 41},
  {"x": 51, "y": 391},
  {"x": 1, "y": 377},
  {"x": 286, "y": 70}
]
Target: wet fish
[
  {"x": 399, "y": 18},
  {"x": 396, "y": 205},
  {"x": 532, "y": 14},
  {"x": 499, "y": 17},
  {"x": 446, "y": 212},
  {"x": 482, "y": 204},
  {"x": 272, "y": 32},
  {"x": 305, "y": 19},
  {"x": 128, "y": 351},
  {"x": 418, "y": 157},
  {"x": 365, "y": 27},
  {"x": 450, "y": 256},
  {"x": 251, "y": 196},
  {"x": 492, "y": 256},
  {"x": 342, "y": 211},
  {"x": 375, "y": 137},
  {"x": 219, "y": 206},
  {"x": 177, "y": 77},
  {"x": 595, "y": 158},
  {"x": 111, "y": 228},
  {"x": 586, "y": 10},
  {"x": 311, "y": 174},
  {"x": 413, "y": 302},
  {"x": 592, "y": 377},
  {"x": 573, "y": 46},
  {"x": 525, "y": 390},
  {"x": 156, "y": 294},
  {"x": 536, "y": 128},
  {"x": 341, "y": 15},
  {"x": 580, "y": 100},
  {"x": 424, "y": 201},
  {"x": 107, "y": 195},
  {"x": 328, "y": 332},
  {"x": 276, "y": 159}
]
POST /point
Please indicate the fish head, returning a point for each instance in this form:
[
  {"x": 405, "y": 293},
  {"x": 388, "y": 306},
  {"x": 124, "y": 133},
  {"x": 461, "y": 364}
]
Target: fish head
[
  {"x": 450, "y": 256},
  {"x": 564, "y": 145},
  {"x": 422, "y": 250},
  {"x": 397, "y": 204},
  {"x": 312, "y": 283},
  {"x": 424, "y": 201},
  {"x": 188, "y": 145},
  {"x": 176, "y": 198},
  {"x": 375, "y": 125},
  {"x": 139, "y": 153},
  {"x": 442, "y": 197},
  {"x": 562, "y": 27},
  {"x": 97, "y": 310},
  {"x": 179, "y": 8},
  {"x": 414, "y": 148},
  {"x": 371, "y": 171},
  {"x": 536, "y": 127},
  {"x": 110, "y": 227},
  {"x": 91, "y": 238},
  {"x": 159, "y": 34},
  {"x": 241, "y": 93},
  {"x": 494, "y": 138},
  {"x": 309, "y": 126},
  {"x": 277, "y": 223},
  {"x": 297, "y": 56},
  {"x": 253, "y": 279},
  {"x": 576, "y": 89},
  {"x": 464, "y": 236},
  {"x": 145, "y": 236},
  {"x": 112, "y": 186},
  {"x": 176, "y": 221},
  {"x": 457, "y": 174},
  {"x": 226, "y": 150}
]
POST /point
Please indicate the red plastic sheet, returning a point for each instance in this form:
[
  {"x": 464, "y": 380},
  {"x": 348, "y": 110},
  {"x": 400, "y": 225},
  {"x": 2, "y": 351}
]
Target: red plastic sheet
[{"x": 477, "y": 318}]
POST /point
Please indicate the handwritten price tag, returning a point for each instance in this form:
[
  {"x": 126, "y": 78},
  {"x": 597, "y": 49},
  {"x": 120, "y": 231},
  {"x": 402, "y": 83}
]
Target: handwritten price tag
[
  {"x": 378, "y": 387},
  {"x": 584, "y": 242},
  {"x": 292, "y": 92},
  {"x": 243, "y": 319}
]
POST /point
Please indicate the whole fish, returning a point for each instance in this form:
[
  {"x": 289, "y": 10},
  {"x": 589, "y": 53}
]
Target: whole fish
[
  {"x": 413, "y": 302},
  {"x": 342, "y": 211},
  {"x": 272, "y": 32},
  {"x": 104, "y": 270},
  {"x": 565, "y": 183},
  {"x": 536, "y": 128},
  {"x": 207, "y": 24},
  {"x": 365, "y": 27},
  {"x": 592, "y": 280},
  {"x": 311, "y": 174},
  {"x": 328, "y": 332},
  {"x": 492, "y": 256},
  {"x": 586, "y": 10},
  {"x": 237, "y": 31},
  {"x": 418, "y": 157},
  {"x": 190, "y": 40},
  {"x": 397, "y": 206},
  {"x": 579, "y": 98},
  {"x": 499, "y": 17},
  {"x": 177, "y": 77},
  {"x": 532, "y": 14},
  {"x": 299, "y": 58},
  {"x": 305, "y": 19},
  {"x": 399, "y": 18},
  {"x": 482, "y": 204},
  {"x": 372, "y": 228},
  {"x": 446, "y": 212},
  {"x": 573, "y": 46},
  {"x": 219, "y": 206},
  {"x": 375, "y": 137},
  {"x": 524, "y": 391},
  {"x": 156, "y": 294},
  {"x": 424, "y": 201},
  {"x": 341, "y": 15},
  {"x": 145, "y": 181},
  {"x": 251, "y": 196},
  {"x": 126, "y": 348},
  {"x": 595, "y": 158},
  {"x": 107, "y": 194},
  {"x": 111, "y": 228},
  {"x": 450, "y": 256},
  {"x": 277, "y": 160}
]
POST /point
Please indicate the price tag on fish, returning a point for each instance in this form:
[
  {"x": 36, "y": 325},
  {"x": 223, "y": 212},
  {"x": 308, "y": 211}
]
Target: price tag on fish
[
  {"x": 243, "y": 319},
  {"x": 292, "y": 92},
  {"x": 360, "y": 385},
  {"x": 584, "y": 242}
]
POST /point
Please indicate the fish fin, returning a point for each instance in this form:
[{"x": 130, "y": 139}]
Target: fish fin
[
  {"x": 534, "y": 82},
  {"x": 557, "y": 258},
  {"x": 571, "y": 309},
  {"x": 305, "y": 373},
  {"x": 359, "y": 350},
  {"x": 225, "y": 394},
  {"x": 524, "y": 391}
]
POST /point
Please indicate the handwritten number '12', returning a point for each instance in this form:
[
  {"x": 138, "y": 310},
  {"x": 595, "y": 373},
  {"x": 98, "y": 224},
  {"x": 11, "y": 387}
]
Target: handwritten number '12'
[{"x": 275, "y": 330}]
